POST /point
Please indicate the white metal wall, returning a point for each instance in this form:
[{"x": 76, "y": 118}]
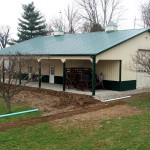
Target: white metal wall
[
  {"x": 124, "y": 52},
  {"x": 143, "y": 80},
  {"x": 110, "y": 69}
]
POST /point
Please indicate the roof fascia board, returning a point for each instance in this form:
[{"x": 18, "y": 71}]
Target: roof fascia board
[{"x": 51, "y": 55}]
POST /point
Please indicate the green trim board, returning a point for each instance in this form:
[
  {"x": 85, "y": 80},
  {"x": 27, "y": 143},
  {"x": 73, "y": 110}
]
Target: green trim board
[
  {"x": 45, "y": 78},
  {"x": 109, "y": 85},
  {"x": 24, "y": 76},
  {"x": 120, "y": 86},
  {"x": 58, "y": 80},
  {"x": 128, "y": 85}
]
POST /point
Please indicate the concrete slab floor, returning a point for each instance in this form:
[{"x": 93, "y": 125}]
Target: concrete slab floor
[
  {"x": 59, "y": 87},
  {"x": 99, "y": 94}
]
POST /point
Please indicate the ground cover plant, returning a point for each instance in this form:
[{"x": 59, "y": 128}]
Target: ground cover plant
[{"x": 130, "y": 132}]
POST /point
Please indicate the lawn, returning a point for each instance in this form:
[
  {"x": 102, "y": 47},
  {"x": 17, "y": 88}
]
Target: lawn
[
  {"x": 17, "y": 108},
  {"x": 131, "y": 132}
]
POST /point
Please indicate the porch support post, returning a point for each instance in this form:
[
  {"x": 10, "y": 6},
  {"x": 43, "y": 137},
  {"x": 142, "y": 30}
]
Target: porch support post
[
  {"x": 64, "y": 75},
  {"x": 19, "y": 72},
  {"x": 3, "y": 71},
  {"x": 93, "y": 74},
  {"x": 39, "y": 74}
]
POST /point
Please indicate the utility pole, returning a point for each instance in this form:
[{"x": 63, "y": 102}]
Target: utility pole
[{"x": 135, "y": 22}]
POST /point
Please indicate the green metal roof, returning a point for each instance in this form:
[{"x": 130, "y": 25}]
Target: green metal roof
[{"x": 72, "y": 44}]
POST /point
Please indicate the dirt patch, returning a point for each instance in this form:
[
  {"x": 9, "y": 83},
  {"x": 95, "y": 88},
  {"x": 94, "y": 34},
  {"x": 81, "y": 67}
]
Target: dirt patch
[
  {"x": 35, "y": 121},
  {"x": 94, "y": 113},
  {"x": 53, "y": 102},
  {"x": 92, "y": 120},
  {"x": 101, "y": 114},
  {"x": 75, "y": 107}
]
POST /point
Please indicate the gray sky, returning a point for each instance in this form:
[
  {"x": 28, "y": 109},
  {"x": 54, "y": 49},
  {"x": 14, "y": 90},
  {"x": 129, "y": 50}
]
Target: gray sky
[{"x": 11, "y": 10}]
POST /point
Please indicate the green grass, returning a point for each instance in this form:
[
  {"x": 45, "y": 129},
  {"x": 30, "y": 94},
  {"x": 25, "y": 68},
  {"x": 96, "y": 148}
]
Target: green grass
[
  {"x": 132, "y": 132},
  {"x": 17, "y": 108},
  {"x": 142, "y": 103}
]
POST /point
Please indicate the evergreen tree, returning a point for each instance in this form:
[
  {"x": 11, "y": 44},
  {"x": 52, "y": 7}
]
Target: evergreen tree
[{"x": 32, "y": 23}]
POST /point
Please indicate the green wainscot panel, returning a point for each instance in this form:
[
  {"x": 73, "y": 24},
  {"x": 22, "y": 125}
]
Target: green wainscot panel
[
  {"x": 58, "y": 80},
  {"x": 120, "y": 86}
]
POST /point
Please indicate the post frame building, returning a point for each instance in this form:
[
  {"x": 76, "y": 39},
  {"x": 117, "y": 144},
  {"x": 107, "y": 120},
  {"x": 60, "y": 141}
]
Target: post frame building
[{"x": 107, "y": 51}]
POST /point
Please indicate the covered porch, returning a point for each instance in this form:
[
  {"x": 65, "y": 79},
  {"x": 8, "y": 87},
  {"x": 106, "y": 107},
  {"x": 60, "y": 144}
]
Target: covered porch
[{"x": 50, "y": 72}]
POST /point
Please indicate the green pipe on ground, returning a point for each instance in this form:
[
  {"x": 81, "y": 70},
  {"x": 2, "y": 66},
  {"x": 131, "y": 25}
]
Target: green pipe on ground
[{"x": 18, "y": 113}]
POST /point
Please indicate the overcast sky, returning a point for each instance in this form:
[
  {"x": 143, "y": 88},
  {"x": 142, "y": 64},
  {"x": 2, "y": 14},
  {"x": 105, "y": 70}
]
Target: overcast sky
[{"x": 11, "y": 10}]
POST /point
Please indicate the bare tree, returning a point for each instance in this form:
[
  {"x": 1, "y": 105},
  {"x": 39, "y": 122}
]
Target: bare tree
[
  {"x": 86, "y": 27},
  {"x": 49, "y": 29},
  {"x": 90, "y": 15},
  {"x": 110, "y": 11},
  {"x": 72, "y": 18},
  {"x": 104, "y": 5},
  {"x": 145, "y": 13},
  {"x": 58, "y": 23},
  {"x": 140, "y": 62},
  {"x": 10, "y": 77},
  {"x": 68, "y": 20},
  {"x": 4, "y": 36},
  {"x": 90, "y": 10},
  {"x": 100, "y": 11}
]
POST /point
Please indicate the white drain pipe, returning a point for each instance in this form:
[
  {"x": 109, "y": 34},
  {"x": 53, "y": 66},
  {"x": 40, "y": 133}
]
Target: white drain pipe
[{"x": 115, "y": 99}]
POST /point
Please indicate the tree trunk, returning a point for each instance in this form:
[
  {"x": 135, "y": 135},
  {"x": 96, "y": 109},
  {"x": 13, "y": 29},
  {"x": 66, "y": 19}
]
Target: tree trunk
[{"x": 8, "y": 105}]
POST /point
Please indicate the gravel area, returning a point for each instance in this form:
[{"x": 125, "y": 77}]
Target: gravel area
[{"x": 115, "y": 94}]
